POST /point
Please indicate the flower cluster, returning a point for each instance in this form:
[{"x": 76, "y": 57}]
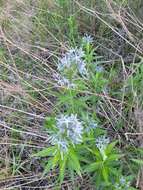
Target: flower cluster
[
  {"x": 99, "y": 69},
  {"x": 74, "y": 57},
  {"x": 63, "y": 82},
  {"x": 69, "y": 131},
  {"x": 102, "y": 142},
  {"x": 123, "y": 184},
  {"x": 91, "y": 126},
  {"x": 87, "y": 39},
  {"x": 62, "y": 143}
]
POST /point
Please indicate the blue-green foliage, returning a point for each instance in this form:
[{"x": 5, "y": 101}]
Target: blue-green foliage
[{"x": 78, "y": 144}]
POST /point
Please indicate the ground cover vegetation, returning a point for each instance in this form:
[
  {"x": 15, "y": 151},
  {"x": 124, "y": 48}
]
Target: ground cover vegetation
[{"x": 71, "y": 80}]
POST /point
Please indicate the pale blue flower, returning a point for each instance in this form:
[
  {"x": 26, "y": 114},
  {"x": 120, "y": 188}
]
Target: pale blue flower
[
  {"x": 123, "y": 184},
  {"x": 63, "y": 82},
  {"x": 92, "y": 125},
  {"x": 76, "y": 53},
  {"x": 122, "y": 180},
  {"x": 87, "y": 39},
  {"x": 64, "y": 62},
  {"x": 102, "y": 142},
  {"x": 69, "y": 131},
  {"x": 70, "y": 127},
  {"x": 99, "y": 69},
  {"x": 106, "y": 89},
  {"x": 82, "y": 68},
  {"x": 74, "y": 57},
  {"x": 62, "y": 143}
]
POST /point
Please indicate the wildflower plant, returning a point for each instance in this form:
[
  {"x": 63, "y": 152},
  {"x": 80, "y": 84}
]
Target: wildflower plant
[
  {"x": 123, "y": 183},
  {"x": 69, "y": 130},
  {"x": 77, "y": 143},
  {"x": 63, "y": 82},
  {"x": 104, "y": 164},
  {"x": 66, "y": 134},
  {"x": 94, "y": 107},
  {"x": 73, "y": 60},
  {"x": 87, "y": 39},
  {"x": 101, "y": 143},
  {"x": 78, "y": 74},
  {"x": 92, "y": 125}
]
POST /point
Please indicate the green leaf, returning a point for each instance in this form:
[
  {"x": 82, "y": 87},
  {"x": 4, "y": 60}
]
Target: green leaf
[
  {"x": 132, "y": 188},
  {"x": 49, "y": 122},
  {"x": 105, "y": 174},
  {"x": 99, "y": 131},
  {"x": 97, "y": 154},
  {"x": 110, "y": 147},
  {"x": 48, "y": 167},
  {"x": 113, "y": 157},
  {"x": 45, "y": 152},
  {"x": 93, "y": 167},
  {"x": 140, "y": 162},
  {"x": 62, "y": 168},
  {"x": 114, "y": 171},
  {"x": 85, "y": 160},
  {"x": 52, "y": 163},
  {"x": 90, "y": 150},
  {"x": 56, "y": 159},
  {"x": 141, "y": 150},
  {"x": 74, "y": 162}
]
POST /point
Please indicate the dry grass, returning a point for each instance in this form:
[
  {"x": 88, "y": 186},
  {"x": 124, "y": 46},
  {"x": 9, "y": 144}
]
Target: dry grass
[{"x": 22, "y": 113}]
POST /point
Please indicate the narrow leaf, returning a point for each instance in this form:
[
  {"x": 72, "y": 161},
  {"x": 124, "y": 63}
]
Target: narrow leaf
[
  {"x": 62, "y": 169},
  {"x": 110, "y": 147},
  {"x": 105, "y": 174},
  {"x": 140, "y": 162},
  {"x": 45, "y": 152},
  {"x": 74, "y": 162},
  {"x": 93, "y": 167}
]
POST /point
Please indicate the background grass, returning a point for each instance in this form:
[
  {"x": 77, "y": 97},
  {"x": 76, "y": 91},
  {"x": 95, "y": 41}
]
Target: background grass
[{"x": 33, "y": 34}]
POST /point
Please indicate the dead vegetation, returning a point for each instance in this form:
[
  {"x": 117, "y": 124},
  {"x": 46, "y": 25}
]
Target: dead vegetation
[{"x": 24, "y": 99}]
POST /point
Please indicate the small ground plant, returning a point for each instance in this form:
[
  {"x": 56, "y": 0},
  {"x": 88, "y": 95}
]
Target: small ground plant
[
  {"x": 78, "y": 144},
  {"x": 71, "y": 109}
]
